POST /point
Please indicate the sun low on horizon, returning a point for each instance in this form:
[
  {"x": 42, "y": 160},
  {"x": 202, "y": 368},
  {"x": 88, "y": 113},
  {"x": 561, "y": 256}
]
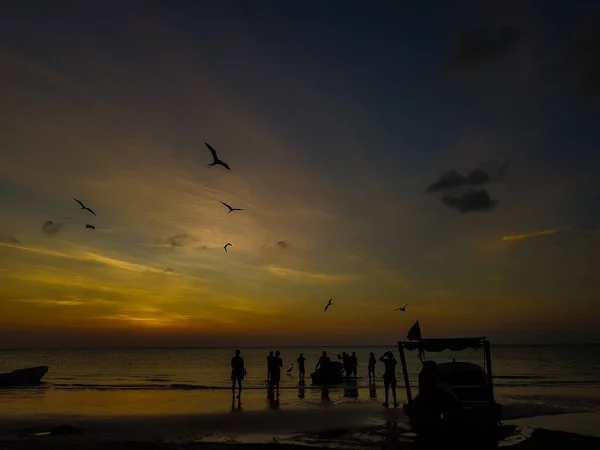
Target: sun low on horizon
[{"x": 396, "y": 164}]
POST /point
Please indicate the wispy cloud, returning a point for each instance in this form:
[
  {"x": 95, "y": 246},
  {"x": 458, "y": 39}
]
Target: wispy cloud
[
  {"x": 50, "y": 228},
  {"x": 52, "y": 302},
  {"x": 180, "y": 239},
  {"x": 283, "y": 244},
  {"x": 162, "y": 320},
  {"x": 519, "y": 237},
  {"x": 86, "y": 256},
  {"x": 309, "y": 277}
]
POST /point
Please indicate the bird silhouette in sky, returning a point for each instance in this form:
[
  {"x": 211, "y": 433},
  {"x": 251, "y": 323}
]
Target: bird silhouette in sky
[
  {"x": 231, "y": 209},
  {"x": 90, "y": 226},
  {"x": 328, "y": 304},
  {"x": 402, "y": 308},
  {"x": 226, "y": 245},
  {"x": 84, "y": 207},
  {"x": 216, "y": 159}
]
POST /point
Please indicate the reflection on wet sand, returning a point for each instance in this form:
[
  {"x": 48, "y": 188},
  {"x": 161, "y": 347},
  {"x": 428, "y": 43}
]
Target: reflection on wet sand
[
  {"x": 325, "y": 395},
  {"x": 373, "y": 392},
  {"x": 351, "y": 391}
]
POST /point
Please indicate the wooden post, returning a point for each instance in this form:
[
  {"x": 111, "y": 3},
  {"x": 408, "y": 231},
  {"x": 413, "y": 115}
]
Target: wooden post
[
  {"x": 405, "y": 372},
  {"x": 488, "y": 362}
]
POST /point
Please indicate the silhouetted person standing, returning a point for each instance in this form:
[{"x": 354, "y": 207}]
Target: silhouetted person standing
[
  {"x": 270, "y": 359},
  {"x": 323, "y": 363},
  {"x": 301, "y": 370},
  {"x": 276, "y": 371},
  {"x": 347, "y": 366},
  {"x": 389, "y": 376},
  {"x": 372, "y": 362},
  {"x": 237, "y": 373},
  {"x": 354, "y": 364}
]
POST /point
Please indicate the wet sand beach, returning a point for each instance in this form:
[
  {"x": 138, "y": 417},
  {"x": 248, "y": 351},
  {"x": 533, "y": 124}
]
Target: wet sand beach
[{"x": 344, "y": 426}]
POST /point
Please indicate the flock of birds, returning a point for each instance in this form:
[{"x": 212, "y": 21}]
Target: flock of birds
[{"x": 220, "y": 162}]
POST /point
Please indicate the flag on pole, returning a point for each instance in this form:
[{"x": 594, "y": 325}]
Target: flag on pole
[{"x": 414, "y": 334}]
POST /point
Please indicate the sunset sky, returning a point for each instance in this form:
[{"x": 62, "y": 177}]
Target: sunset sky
[{"x": 335, "y": 119}]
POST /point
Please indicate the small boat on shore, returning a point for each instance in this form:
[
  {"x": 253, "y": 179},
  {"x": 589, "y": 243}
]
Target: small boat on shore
[
  {"x": 30, "y": 376},
  {"x": 333, "y": 374}
]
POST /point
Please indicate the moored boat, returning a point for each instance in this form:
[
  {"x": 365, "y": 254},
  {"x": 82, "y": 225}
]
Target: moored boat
[
  {"x": 30, "y": 376},
  {"x": 333, "y": 374}
]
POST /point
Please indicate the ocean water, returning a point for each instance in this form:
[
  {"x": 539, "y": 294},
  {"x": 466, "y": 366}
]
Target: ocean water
[{"x": 186, "y": 380}]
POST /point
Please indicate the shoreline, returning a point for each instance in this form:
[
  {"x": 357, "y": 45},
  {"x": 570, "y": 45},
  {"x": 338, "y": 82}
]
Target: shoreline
[{"x": 343, "y": 427}]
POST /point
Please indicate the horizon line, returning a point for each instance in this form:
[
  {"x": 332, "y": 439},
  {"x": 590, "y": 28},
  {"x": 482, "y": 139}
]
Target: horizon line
[{"x": 192, "y": 347}]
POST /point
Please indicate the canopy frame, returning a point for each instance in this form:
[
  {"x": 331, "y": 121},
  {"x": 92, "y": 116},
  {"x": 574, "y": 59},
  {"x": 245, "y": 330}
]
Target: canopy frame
[{"x": 439, "y": 345}]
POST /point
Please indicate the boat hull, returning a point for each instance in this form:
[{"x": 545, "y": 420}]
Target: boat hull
[
  {"x": 30, "y": 376},
  {"x": 333, "y": 375}
]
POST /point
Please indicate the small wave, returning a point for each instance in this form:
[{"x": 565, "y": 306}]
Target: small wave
[
  {"x": 133, "y": 387},
  {"x": 551, "y": 383},
  {"x": 519, "y": 377}
]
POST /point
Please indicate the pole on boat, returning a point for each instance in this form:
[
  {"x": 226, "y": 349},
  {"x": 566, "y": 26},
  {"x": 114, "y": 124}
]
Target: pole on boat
[
  {"x": 488, "y": 363},
  {"x": 405, "y": 372}
]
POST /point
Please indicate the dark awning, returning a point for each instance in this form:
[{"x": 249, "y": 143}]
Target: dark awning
[{"x": 439, "y": 345}]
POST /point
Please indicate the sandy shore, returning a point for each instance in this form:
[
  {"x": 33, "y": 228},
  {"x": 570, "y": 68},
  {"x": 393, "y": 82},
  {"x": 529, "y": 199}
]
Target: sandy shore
[
  {"x": 538, "y": 439},
  {"x": 280, "y": 431}
]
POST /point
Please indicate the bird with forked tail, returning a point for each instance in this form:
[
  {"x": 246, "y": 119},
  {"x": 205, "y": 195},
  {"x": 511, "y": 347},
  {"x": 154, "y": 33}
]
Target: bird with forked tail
[
  {"x": 216, "y": 159},
  {"x": 231, "y": 209}
]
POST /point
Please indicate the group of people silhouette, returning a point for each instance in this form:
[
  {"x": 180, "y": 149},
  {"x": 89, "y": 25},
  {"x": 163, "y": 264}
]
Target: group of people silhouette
[{"x": 350, "y": 363}]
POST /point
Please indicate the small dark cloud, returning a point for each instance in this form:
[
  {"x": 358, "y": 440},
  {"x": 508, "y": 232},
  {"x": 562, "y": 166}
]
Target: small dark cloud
[
  {"x": 10, "y": 239},
  {"x": 180, "y": 239},
  {"x": 454, "y": 179},
  {"x": 448, "y": 180},
  {"x": 283, "y": 244},
  {"x": 479, "y": 46},
  {"x": 50, "y": 228},
  {"x": 471, "y": 200},
  {"x": 169, "y": 270}
]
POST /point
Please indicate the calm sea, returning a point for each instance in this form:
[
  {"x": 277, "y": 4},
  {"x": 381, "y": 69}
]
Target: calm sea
[{"x": 146, "y": 374}]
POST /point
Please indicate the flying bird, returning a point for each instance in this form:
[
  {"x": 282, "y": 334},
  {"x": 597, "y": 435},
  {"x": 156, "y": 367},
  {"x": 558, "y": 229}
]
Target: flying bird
[
  {"x": 90, "y": 226},
  {"x": 216, "y": 159},
  {"x": 226, "y": 245},
  {"x": 231, "y": 209},
  {"x": 84, "y": 207},
  {"x": 328, "y": 304},
  {"x": 403, "y": 308}
]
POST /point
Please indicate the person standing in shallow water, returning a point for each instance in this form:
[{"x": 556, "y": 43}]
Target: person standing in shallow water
[
  {"x": 389, "y": 376},
  {"x": 270, "y": 359},
  {"x": 354, "y": 365},
  {"x": 301, "y": 370},
  {"x": 323, "y": 363},
  {"x": 276, "y": 371},
  {"x": 372, "y": 362},
  {"x": 237, "y": 373}
]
